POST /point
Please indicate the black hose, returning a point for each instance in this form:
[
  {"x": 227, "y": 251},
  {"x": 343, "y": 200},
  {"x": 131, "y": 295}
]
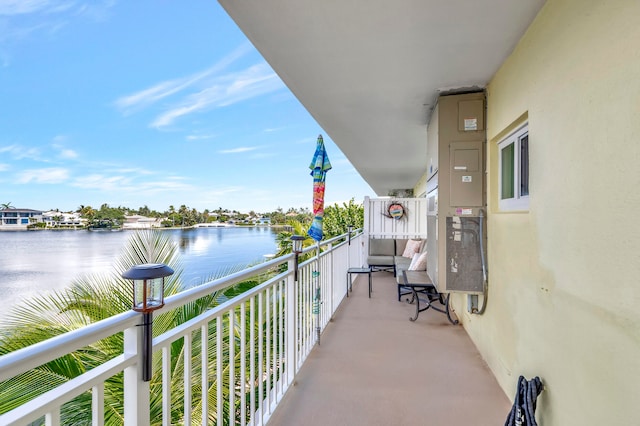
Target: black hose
[
  {"x": 482, "y": 258},
  {"x": 523, "y": 412},
  {"x": 485, "y": 284}
]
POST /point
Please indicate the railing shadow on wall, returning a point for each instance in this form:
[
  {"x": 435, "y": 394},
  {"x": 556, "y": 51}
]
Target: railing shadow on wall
[{"x": 231, "y": 364}]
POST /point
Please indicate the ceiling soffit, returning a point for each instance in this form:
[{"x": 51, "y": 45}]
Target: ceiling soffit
[{"x": 370, "y": 72}]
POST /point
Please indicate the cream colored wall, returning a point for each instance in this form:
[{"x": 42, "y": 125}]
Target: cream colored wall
[
  {"x": 420, "y": 188},
  {"x": 564, "y": 298}
]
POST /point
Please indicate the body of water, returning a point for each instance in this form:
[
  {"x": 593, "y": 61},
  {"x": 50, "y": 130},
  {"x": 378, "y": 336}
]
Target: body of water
[{"x": 33, "y": 262}]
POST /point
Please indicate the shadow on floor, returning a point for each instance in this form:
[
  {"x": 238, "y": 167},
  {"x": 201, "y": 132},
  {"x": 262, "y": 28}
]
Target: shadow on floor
[{"x": 375, "y": 367}]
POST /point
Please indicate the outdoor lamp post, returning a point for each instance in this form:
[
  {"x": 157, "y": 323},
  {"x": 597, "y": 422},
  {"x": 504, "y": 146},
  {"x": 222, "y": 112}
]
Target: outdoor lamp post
[
  {"x": 148, "y": 295},
  {"x": 350, "y": 229},
  {"x": 296, "y": 248}
]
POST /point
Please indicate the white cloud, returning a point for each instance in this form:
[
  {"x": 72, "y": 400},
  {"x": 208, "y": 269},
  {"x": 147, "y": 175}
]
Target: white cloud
[
  {"x": 170, "y": 116},
  {"x": 21, "y": 7},
  {"x": 205, "y": 89},
  {"x": 63, "y": 152},
  {"x": 226, "y": 90},
  {"x": 153, "y": 94},
  {"x": 18, "y": 152},
  {"x": 156, "y": 187},
  {"x": 7, "y": 32},
  {"x": 24, "y": 7},
  {"x": 129, "y": 184},
  {"x": 4, "y": 167},
  {"x": 199, "y": 137},
  {"x": 98, "y": 11},
  {"x": 68, "y": 153},
  {"x": 238, "y": 150},
  {"x": 101, "y": 182},
  {"x": 47, "y": 176},
  {"x": 257, "y": 79},
  {"x": 134, "y": 170},
  {"x": 26, "y": 18}
]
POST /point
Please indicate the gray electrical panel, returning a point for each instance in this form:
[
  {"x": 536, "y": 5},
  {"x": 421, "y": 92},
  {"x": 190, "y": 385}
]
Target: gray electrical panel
[
  {"x": 456, "y": 193},
  {"x": 464, "y": 260}
]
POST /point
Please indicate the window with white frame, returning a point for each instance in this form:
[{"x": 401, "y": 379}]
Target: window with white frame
[{"x": 513, "y": 188}]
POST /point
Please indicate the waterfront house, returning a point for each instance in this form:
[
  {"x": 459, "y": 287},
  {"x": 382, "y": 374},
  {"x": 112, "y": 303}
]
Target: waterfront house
[
  {"x": 54, "y": 219},
  {"x": 263, "y": 220},
  {"x": 141, "y": 222},
  {"x": 12, "y": 218}
]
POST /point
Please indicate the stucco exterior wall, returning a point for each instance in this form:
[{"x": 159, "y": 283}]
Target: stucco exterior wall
[
  {"x": 420, "y": 188},
  {"x": 564, "y": 277}
]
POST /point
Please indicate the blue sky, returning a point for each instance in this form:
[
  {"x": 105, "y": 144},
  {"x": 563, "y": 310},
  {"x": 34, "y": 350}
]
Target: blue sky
[{"x": 150, "y": 102}]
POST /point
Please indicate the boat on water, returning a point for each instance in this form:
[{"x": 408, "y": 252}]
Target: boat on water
[
  {"x": 213, "y": 225},
  {"x": 104, "y": 226},
  {"x": 104, "y": 229}
]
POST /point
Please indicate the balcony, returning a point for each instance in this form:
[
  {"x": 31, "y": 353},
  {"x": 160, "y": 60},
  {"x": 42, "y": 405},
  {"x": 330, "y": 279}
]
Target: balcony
[
  {"x": 375, "y": 367},
  {"x": 258, "y": 359}
]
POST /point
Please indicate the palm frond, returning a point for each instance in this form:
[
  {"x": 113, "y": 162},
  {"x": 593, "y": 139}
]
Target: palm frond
[
  {"x": 148, "y": 246},
  {"x": 93, "y": 297}
]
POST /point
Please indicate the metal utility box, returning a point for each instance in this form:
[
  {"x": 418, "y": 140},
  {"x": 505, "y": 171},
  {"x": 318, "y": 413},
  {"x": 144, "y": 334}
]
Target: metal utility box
[
  {"x": 464, "y": 261},
  {"x": 466, "y": 174},
  {"x": 456, "y": 193}
]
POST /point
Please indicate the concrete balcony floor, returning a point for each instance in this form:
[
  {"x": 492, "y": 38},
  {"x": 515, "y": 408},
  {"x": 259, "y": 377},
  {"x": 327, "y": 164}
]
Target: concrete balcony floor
[{"x": 375, "y": 367}]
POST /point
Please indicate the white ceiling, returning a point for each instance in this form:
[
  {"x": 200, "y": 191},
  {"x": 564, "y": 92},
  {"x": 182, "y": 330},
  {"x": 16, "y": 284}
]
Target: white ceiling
[{"x": 370, "y": 71}]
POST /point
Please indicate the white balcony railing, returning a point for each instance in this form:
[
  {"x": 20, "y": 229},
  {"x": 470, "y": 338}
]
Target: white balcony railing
[{"x": 244, "y": 353}]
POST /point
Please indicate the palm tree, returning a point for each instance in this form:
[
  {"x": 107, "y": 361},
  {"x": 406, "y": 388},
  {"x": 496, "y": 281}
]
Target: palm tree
[
  {"x": 5, "y": 206},
  {"x": 93, "y": 298},
  {"x": 284, "y": 238},
  {"x": 87, "y": 212}
]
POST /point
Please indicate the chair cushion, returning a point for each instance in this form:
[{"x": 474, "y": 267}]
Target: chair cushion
[
  {"x": 401, "y": 262},
  {"x": 382, "y": 247},
  {"x": 412, "y": 247},
  {"x": 401, "y": 243},
  {"x": 380, "y": 260},
  {"x": 419, "y": 262}
]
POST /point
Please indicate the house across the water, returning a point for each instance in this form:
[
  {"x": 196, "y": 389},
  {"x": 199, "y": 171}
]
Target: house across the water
[{"x": 12, "y": 218}]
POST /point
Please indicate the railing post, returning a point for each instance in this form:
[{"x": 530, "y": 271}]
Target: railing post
[
  {"x": 291, "y": 326},
  {"x": 317, "y": 294},
  {"x": 136, "y": 391},
  {"x": 331, "y": 280}
]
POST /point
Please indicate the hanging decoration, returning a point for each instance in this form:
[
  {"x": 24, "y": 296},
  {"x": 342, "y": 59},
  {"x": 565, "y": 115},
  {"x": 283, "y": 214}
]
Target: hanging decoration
[{"x": 395, "y": 211}]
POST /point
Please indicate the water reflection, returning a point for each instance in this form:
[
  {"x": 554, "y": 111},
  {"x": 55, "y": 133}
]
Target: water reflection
[{"x": 32, "y": 262}]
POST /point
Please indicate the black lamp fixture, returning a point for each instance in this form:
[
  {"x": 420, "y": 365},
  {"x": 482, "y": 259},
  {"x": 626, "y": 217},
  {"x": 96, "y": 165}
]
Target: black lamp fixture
[
  {"x": 296, "y": 248},
  {"x": 148, "y": 295},
  {"x": 350, "y": 229}
]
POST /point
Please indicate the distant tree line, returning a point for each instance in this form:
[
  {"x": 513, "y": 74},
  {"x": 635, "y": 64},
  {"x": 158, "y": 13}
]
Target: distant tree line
[
  {"x": 185, "y": 216},
  {"x": 336, "y": 221}
]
